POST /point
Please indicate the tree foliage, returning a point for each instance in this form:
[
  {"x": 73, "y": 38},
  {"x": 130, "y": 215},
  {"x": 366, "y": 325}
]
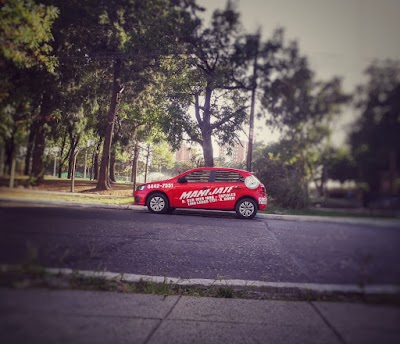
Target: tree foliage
[
  {"x": 283, "y": 179},
  {"x": 115, "y": 73},
  {"x": 374, "y": 141},
  {"x": 25, "y": 34},
  {"x": 211, "y": 84}
]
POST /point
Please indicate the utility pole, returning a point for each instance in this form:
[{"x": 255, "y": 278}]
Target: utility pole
[
  {"x": 88, "y": 144},
  {"x": 253, "y": 100},
  {"x": 147, "y": 163},
  {"x": 55, "y": 166},
  {"x": 135, "y": 164}
]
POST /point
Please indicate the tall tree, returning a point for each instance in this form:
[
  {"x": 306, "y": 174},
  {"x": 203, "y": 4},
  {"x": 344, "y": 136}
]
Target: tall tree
[
  {"x": 211, "y": 82},
  {"x": 25, "y": 48},
  {"x": 374, "y": 141},
  {"x": 303, "y": 109},
  {"x": 137, "y": 34},
  {"x": 26, "y": 33}
]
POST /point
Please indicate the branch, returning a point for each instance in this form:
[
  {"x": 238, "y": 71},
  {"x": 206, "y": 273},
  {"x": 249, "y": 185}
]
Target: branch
[
  {"x": 227, "y": 118},
  {"x": 197, "y": 109},
  {"x": 193, "y": 136},
  {"x": 237, "y": 87}
]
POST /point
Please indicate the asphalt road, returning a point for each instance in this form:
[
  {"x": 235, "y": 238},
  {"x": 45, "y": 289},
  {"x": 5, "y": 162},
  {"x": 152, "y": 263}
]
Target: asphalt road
[{"x": 199, "y": 245}]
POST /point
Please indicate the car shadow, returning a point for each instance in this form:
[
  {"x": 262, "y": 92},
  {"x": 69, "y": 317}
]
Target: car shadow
[{"x": 206, "y": 213}]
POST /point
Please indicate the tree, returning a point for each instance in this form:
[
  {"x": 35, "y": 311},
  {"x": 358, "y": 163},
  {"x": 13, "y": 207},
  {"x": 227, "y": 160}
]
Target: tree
[
  {"x": 150, "y": 27},
  {"x": 162, "y": 157},
  {"x": 341, "y": 165},
  {"x": 303, "y": 109},
  {"x": 25, "y": 34},
  {"x": 374, "y": 141},
  {"x": 282, "y": 179},
  {"x": 211, "y": 82},
  {"x": 24, "y": 49}
]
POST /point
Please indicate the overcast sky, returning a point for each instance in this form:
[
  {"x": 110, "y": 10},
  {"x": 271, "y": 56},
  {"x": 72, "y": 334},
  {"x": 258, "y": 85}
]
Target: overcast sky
[{"x": 340, "y": 37}]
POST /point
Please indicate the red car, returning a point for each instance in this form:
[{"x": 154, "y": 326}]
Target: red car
[{"x": 205, "y": 188}]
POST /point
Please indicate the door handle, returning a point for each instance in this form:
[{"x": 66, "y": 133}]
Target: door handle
[
  {"x": 205, "y": 188},
  {"x": 238, "y": 188}
]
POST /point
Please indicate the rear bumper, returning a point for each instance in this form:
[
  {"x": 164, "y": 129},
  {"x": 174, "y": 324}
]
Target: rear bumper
[
  {"x": 262, "y": 206},
  {"x": 262, "y": 202}
]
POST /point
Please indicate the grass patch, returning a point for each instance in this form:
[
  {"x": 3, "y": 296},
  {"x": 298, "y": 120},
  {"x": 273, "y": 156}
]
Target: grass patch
[
  {"x": 81, "y": 198},
  {"x": 271, "y": 209}
]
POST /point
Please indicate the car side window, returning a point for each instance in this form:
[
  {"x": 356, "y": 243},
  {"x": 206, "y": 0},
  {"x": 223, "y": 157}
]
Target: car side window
[
  {"x": 198, "y": 176},
  {"x": 228, "y": 177}
]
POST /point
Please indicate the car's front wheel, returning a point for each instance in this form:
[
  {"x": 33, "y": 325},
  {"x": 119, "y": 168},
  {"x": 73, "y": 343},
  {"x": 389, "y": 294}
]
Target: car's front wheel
[
  {"x": 246, "y": 208},
  {"x": 158, "y": 203}
]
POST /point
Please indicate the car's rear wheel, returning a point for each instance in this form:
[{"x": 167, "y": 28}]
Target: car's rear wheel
[
  {"x": 158, "y": 203},
  {"x": 246, "y": 208}
]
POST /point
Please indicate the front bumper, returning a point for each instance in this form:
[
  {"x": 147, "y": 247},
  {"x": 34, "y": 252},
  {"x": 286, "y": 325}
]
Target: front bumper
[{"x": 139, "y": 198}]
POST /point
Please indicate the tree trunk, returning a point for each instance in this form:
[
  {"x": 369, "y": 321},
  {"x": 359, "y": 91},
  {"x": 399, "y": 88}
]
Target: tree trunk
[
  {"x": 392, "y": 172},
  {"x": 95, "y": 163},
  {"x": 135, "y": 164},
  {"x": 112, "y": 164},
  {"x": 72, "y": 150},
  {"x": 208, "y": 150},
  {"x": 2, "y": 164},
  {"x": 103, "y": 182},
  {"x": 62, "y": 160},
  {"x": 96, "y": 160},
  {"x": 29, "y": 149},
  {"x": 70, "y": 160},
  {"x": 206, "y": 130},
  {"x": 38, "y": 167},
  {"x": 9, "y": 149}
]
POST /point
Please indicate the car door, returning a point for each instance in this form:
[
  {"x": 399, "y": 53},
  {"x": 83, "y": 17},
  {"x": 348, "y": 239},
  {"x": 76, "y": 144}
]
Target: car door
[
  {"x": 190, "y": 192},
  {"x": 227, "y": 187}
]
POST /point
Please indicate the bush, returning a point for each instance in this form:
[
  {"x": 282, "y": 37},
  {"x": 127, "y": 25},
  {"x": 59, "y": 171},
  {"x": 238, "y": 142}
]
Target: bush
[{"x": 283, "y": 183}]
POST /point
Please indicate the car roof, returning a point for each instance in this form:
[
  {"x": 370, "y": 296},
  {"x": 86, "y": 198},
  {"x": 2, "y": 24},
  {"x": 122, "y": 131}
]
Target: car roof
[{"x": 217, "y": 168}]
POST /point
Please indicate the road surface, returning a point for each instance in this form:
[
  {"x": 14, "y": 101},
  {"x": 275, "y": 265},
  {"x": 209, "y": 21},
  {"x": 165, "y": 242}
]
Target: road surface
[{"x": 194, "y": 244}]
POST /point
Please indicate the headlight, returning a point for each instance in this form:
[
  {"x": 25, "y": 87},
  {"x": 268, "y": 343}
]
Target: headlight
[{"x": 141, "y": 187}]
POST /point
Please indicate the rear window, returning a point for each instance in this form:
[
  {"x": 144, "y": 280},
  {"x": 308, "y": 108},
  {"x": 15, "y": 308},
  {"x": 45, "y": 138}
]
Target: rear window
[
  {"x": 198, "y": 176},
  {"x": 228, "y": 176}
]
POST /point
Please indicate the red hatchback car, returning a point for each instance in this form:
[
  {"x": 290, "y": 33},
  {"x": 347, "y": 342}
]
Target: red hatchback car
[{"x": 205, "y": 188}]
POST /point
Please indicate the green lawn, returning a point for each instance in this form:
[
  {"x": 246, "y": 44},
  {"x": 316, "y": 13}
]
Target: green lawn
[{"x": 271, "y": 209}]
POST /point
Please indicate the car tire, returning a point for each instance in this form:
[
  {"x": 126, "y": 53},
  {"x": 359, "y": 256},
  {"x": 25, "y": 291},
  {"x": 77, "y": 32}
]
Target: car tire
[
  {"x": 246, "y": 208},
  {"x": 158, "y": 203}
]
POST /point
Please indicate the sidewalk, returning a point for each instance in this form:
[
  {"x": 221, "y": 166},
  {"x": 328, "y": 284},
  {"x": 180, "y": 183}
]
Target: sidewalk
[
  {"x": 71, "y": 316},
  {"x": 39, "y": 197}
]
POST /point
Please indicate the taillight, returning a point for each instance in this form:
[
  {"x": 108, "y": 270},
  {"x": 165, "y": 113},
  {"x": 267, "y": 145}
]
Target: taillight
[{"x": 263, "y": 190}]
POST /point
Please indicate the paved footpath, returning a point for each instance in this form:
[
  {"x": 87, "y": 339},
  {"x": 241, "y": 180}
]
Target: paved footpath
[{"x": 71, "y": 316}]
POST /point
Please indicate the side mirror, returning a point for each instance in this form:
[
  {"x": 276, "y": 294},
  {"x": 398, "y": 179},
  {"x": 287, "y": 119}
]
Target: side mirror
[{"x": 182, "y": 180}]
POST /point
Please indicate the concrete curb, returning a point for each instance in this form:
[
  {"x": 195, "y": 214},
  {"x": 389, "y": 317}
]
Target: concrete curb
[
  {"x": 390, "y": 223},
  {"x": 328, "y": 219},
  {"x": 385, "y": 289}
]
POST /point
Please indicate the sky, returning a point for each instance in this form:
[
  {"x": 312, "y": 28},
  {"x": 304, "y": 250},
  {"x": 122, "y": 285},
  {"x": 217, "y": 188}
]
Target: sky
[{"x": 340, "y": 37}]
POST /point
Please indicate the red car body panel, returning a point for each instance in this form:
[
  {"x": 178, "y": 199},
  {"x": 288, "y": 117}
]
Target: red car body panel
[{"x": 206, "y": 188}]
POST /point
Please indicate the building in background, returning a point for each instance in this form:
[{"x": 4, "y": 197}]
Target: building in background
[
  {"x": 184, "y": 153},
  {"x": 234, "y": 154}
]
